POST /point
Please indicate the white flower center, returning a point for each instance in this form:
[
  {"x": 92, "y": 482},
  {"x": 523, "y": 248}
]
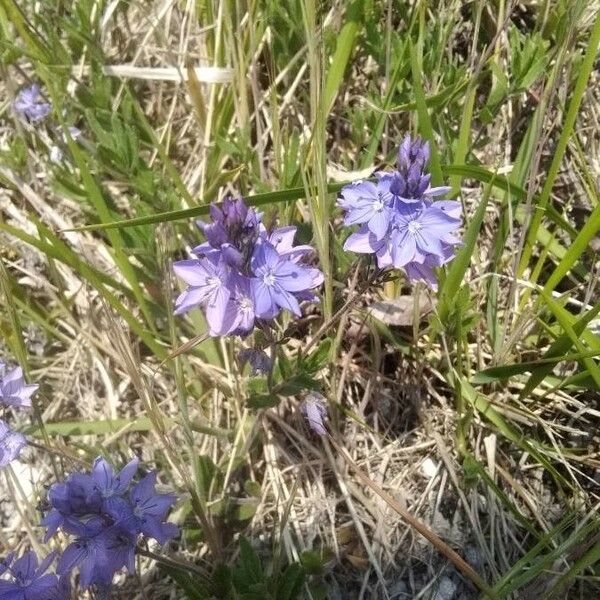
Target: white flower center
[
  {"x": 414, "y": 226},
  {"x": 269, "y": 279},
  {"x": 212, "y": 281},
  {"x": 246, "y": 304}
]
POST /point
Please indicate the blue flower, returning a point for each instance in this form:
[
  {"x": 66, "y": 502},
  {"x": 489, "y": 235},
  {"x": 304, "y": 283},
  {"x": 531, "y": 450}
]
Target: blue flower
[
  {"x": 259, "y": 360},
  {"x": 276, "y": 281},
  {"x": 145, "y": 511},
  {"x": 11, "y": 444},
  {"x": 76, "y": 498},
  {"x": 106, "y": 512},
  {"x": 315, "y": 411},
  {"x": 208, "y": 280},
  {"x": 412, "y": 231},
  {"x": 30, "y": 104},
  {"x": 13, "y": 389},
  {"x": 107, "y": 482},
  {"x": 411, "y": 180},
  {"x": 99, "y": 551},
  {"x": 370, "y": 203},
  {"x": 231, "y": 278},
  {"x": 30, "y": 582}
]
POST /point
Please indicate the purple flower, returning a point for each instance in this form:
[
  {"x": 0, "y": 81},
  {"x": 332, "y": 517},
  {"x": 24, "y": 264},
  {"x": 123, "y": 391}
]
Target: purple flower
[
  {"x": 30, "y": 104},
  {"x": 416, "y": 234},
  {"x": 11, "y": 444},
  {"x": 411, "y": 181},
  {"x": 244, "y": 272},
  {"x": 99, "y": 552},
  {"x": 107, "y": 482},
  {"x": 315, "y": 411},
  {"x": 13, "y": 389},
  {"x": 145, "y": 511},
  {"x": 420, "y": 231},
  {"x": 78, "y": 497},
  {"x": 276, "y": 281},
  {"x": 259, "y": 360},
  {"x": 235, "y": 226},
  {"x": 106, "y": 512},
  {"x": 29, "y": 582},
  {"x": 370, "y": 203}
]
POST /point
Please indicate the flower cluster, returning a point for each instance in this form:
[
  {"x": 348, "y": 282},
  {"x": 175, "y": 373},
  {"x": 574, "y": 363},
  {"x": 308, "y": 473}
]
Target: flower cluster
[
  {"x": 30, "y": 104},
  {"x": 243, "y": 273},
  {"x": 28, "y": 581},
  {"x": 106, "y": 513},
  {"x": 399, "y": 221},
  {"x": 16, "y": 393}
]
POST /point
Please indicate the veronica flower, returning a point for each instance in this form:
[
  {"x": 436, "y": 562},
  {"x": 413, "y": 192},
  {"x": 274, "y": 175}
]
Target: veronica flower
[
  {"x": 208, "y": 280},
  {"x": 99, "y": 552},
  {"x": 105, "y": 513},
  {"x": 315, "y": 411},
  {"x": 239, "y": 313},
  {"x": 259, "y": 360},
  {"x": 411, "y": 180},
  {"x": 107, "y": 482},
  {"x": 11, "y": 444},
  {"x": 30, "y": 104},
  {"x": 277, "y": 279},
  {"x": 366, "y": 202},
  {"x": 76, "y": 498},
  {"x": 417, "y": 233},
  {"x": 13, "y": 389},
  {"x": 145, "y": 511},
  {"x": 28, "y": 581},
  {"x": 243, "y": 272}
]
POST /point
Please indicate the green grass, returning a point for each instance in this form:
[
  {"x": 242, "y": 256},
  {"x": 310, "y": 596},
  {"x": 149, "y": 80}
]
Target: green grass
[{"x": 506, "y": 367}]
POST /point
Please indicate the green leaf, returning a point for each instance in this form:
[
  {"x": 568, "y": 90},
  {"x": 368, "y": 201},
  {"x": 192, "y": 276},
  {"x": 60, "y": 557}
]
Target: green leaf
[
  {"x": 99, "y": 427},
  {"x": 488, "y": 412},
  {"x": 262, "y": 401},
  {"x": 252, "y": 488},
  {"x": 452, "y": 282},
  {"x": 564, "y": 318},
  {"x": 566, "y": 130},
  {"x": 203, "y": 209},
  {"x": 206, "y": 471},
  {"x": 257, "y": 386},
  {"x": 290, "y": 582},
  {"x": 319, "y": 358},
  {"x": 344, "y": 47},
  {"x": 501, "y": 372},
  {"x": 250, "y": 565},
  {"x": 192, "y": 588},
  {"x": 296, "y": 384}
]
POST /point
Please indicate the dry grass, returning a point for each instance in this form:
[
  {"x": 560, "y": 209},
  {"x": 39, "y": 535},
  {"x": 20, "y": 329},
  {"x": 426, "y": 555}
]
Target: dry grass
[{"x": 392, "y": 409}]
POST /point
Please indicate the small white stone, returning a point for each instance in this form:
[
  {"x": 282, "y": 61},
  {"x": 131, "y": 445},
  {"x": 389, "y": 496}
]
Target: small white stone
[
  {"x": 446, "y": 589},
  {"x": 56, "y": 154},
  {"x": 429, "y": 468}
]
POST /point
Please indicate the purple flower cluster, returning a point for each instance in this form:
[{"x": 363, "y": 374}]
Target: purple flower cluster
[
  {"x": 106, "y": 513},
  {"x": 399, "y": 221},
  {"x": 28, "y": 581},
  {"x": 243, "y": 273},
  {"x": 30, "y": 104},
  {"x": 14, "y": 392}
]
